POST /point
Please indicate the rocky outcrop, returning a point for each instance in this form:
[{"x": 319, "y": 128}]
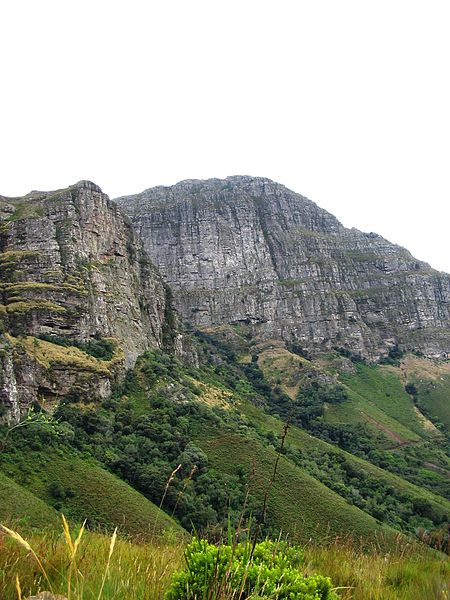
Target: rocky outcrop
[
  {"x": 73, "y": 271},
  {"x": 249, "y": 251}
]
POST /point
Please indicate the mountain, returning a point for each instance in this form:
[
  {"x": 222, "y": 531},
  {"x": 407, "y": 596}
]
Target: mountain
[
  {"x": 80, "y": 299},
  {"x": 307, "y": 390},
  {"x": 247, "y": 250}
]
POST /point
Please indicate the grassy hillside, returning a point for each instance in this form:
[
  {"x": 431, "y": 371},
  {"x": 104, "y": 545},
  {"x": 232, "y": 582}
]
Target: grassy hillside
[
  {"x": 380, "y": 387},
  {"x": 435, "y": 398},
  {"x": 82, "y": 490},
  {"x": 312, "y": 446},
  {"x": 376, "y": 395},
  {"x": 200, "y": 441},
  {"x": 383, "y": 413},
  {"x": 298, "y": 505},
  {"x": 432, "y": 382},
  {"x": 18, "y": 505}
]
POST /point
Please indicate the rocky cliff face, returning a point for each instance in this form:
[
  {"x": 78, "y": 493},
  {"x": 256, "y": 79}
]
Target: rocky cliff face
[
  {"x": 248, "y": 250},
  {"x": 73, "y": 271}
]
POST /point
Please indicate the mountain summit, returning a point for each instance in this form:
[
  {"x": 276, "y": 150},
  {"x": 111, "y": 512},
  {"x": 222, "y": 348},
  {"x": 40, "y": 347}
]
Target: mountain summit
[{"x": 247, "y": 250}]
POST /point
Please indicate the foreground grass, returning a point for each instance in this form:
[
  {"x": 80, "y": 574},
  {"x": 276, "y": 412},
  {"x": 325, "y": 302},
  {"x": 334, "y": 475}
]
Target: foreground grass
[
  {"x": 406, "y": 573},
  {"x": 136, "y": 571},
  {"x": 143, "y": 571}
]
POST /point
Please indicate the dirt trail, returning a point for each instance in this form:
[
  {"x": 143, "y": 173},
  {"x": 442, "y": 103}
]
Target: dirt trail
[
  {"x": 390, "y": 434},
  {"x": 437, "y": 468}
]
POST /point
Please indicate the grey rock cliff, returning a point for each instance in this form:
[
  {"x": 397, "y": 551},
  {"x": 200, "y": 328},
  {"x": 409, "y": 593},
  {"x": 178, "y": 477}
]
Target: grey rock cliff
[
  {"x": 72, "y": 267},
  {"x": 248, "y": 250}
]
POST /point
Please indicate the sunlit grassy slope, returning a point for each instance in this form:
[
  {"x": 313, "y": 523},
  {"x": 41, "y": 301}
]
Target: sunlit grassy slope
[
  {"x": 238, "y": 437},
  {"x": 380, "y": 398},
  {"x": 19, "y": 505},
  {"x": 435, "y": 396},
  {"x": 83, "y": 490},
  {"x": 300, "y": 439},
  {"x": 298, "y": 504},
  {"x": 376, "y": 394}
]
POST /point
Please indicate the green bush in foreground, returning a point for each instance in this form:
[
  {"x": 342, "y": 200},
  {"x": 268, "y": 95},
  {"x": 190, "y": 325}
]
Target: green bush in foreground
[{"x": 268, "y": 570}]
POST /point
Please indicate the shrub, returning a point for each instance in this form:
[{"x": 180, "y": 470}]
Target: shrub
[{"x": 267, "y": 570}]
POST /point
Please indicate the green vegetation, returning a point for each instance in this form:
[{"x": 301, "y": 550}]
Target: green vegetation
[
  {"x": 168, "y": 415},
  {"x": 20, "y": 506},
  {"x": 25, "y": 208},
  {"x": 381, "y": 387},
  {"x": 94, "y": 567},
  {"x": 246, "y": 570},
  {"x": 48, "y": 354},
  {"x": 361, "y": 256},
  {"x": 374, "y": 490},
  {"x": 271, "y": 439},
  {"x": 298, "y": 504},
  {"x": 12, "y": 257},
  {"x": 36, "y": 286},
  {"x": 101, "y": 348},
  {"x": 110, "y": 568},
  {"x": 385, "y": 496},
  {"x": 81, "y": 489},
  {"x": 145, "y": 439},
  {"x": 22, "y": 306},
  {"x": 433, "y": 399}
]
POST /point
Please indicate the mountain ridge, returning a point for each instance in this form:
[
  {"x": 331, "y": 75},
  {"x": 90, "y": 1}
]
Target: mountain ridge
[
  {"x": 79, "y": 298},
  {"x": 285, "y": 311},
  {"x": 249, "y": 250}
]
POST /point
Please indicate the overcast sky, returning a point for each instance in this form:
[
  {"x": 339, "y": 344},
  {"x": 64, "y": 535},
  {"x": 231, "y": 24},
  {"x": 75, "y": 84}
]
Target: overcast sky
[{"x": 346, "y": 102}]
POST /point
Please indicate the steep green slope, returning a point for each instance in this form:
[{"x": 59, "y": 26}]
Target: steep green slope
[
  {"x": 376, "y": 395},
  {"x": 377, "y": 412},
  {"x": 200, "y": 441},
  {"x": 312, "y": 446},
  {"x": 380, "y": 387},
  {"x": 430, "y": 381},
  {"x": 359, "y": 409},
  {"x": 19, "y": 505},
  {"x": 435, "y": 398},
  {"x": 83, "y": 490},
  {"x": 298, "y": 504}
]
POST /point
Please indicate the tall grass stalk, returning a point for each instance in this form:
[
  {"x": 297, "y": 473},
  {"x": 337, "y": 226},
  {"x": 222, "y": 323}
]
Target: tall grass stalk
[
  {"x": 111, "y": 550},
  {"x": 183, "y": 489},
  {"x": 134, "y": 571},
  {"x": 73, "y": 547},
  {"x": 18, "y": 538},
  {"x": 18, "y": 588},
  {"x": 169, "y": 481}
]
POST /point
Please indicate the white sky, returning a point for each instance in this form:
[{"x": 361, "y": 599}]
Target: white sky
[{"x": 346, "y": 102}]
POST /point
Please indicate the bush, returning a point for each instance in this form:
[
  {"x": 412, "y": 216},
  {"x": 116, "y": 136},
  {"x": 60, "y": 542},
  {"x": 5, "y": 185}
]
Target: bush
[
  {"x": 265, "y": 570},
  {"x": 100, "y": 348}
]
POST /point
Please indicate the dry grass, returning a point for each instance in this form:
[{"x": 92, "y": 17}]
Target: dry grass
[
  {"x": 426, "y": 423},
  {"x": 281, "y": 367},
  {"x": 85, "y": 565},
  {"x": 48, "y": 354},
  {"x": 413, "y": 368},
  {"x": 213, "y": 396},
  {"x": 408, "y": 572}
]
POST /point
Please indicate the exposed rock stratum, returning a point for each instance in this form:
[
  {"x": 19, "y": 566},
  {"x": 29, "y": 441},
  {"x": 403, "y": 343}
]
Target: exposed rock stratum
[
  {"x": 247, "y": 250},
  {"x": 72, "y": 269}
]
